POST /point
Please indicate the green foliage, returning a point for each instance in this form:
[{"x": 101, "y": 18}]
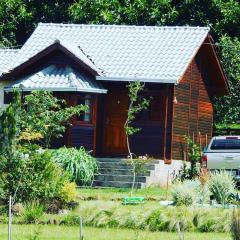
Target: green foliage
[
  {"x": 9, "y": 125},
  {"x": 30, "y": 176},
  {"x": 33, "y": 211},
  {"x": 78, "y": 163},
  {"x": 44, "y": 114},
  {"x": 70, "y": 220},
  {"x": 185, "y": 193},
  {"x": 235, "y": 224},
  {"x": 227, "y": 108},
  {"x": 222, "y": 186},
  {"x": 194, "y": 156},
  {"x": 139, "y": 12},
  {"x": 68, "y": 192}
]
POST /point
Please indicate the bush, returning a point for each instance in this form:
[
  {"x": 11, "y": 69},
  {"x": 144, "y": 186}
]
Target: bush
[
  {"x": 30, "y": 176},
  {"x": 222, "y": 186},
  {"x": 70, "y": 220},
  {"x": 185, "y": 193},
  {"x": 68, "y": 192},
  {"x": 78, "y": 163},
  {"x": 33, "y": 211}
]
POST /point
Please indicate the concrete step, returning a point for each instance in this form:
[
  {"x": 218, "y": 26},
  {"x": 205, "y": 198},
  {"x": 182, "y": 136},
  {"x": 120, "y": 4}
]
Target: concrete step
[
  {"x": 120, "y": 165},
  {"x": 120, "y": 171},
  {"x": 121, "y": 160},
  {"x": 115, "y": 184},
  {"x": 110, "y": 159},
  {"x": 119, "y": 178}
]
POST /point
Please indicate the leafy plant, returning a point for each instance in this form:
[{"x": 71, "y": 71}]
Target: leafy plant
[
  {"x": 29, "y": 176},
  {"x": 222, "y": 186},
  {"x": 36, "y": 234},
  {"x": 46, "y": 117},
  {"x": 78, "y": 163},
  {"x": 68, "y": 191},
  {"x": 185, "y": 193},
  {"x": 136, "y": 105},
  {"x": 33, "y": 211},
  {"x": 194, "y": 156}
]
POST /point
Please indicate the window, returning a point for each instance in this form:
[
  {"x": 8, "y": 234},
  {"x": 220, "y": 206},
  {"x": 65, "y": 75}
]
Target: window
[
  {"x": 8, "y": 97},
  {"x": 153, "y": 112},
  {"x": 226, "y": 144},
  {"x": 87, "y": 115}
]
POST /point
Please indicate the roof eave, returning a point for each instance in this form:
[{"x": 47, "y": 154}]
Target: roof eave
[
  {"x": 54, "y": 89},
  {"x": 141, "y": 79},
  {"x": 56, "y": 45}
]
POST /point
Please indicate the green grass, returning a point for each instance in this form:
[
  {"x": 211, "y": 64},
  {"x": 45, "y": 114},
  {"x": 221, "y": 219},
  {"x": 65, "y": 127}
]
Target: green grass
[
  {"x": 23, "y": 232},
  {"x": 116, "y": 194}
]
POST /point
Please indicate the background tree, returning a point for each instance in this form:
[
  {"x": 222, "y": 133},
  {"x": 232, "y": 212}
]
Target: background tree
[{"x": 227, "y": 108}]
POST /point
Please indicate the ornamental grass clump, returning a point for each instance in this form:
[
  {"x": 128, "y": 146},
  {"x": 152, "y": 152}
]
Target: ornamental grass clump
[
  {"x": 185, "y": 193},
  {"x": 33, "y": 211},
  {"x": 235, "y": 224},
  {"x": 222, "y": 186},
  {"x": 80, "y": 165}
]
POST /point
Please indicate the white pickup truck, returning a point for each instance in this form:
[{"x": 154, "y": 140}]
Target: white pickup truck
[{"x": 223, "y": 153}]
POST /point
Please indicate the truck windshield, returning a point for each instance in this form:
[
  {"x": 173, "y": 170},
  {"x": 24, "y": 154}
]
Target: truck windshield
[{"x": 222, "y": 144}]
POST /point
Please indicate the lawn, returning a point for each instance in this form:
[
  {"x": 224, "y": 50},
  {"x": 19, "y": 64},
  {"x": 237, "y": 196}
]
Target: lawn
[
  {"x": 24, "y": 232},
  {"x": 115, "y": 194}
]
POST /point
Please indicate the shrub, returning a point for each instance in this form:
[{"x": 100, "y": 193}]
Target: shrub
[
  {"x": 68, "y": 192},
  {"x": 33, "y": 211},
  {"x": 78, "y": 163},
  {"x": 235, "y": 224},
  {"x": 30, "y": 176},
  {"x": 70, "y": 220},
  {"x": 222, "y": 186},
  {"x": 185, "y": 193}
]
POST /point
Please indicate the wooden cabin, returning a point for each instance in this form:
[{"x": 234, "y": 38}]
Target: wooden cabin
[{"x": 92, "y": 64}]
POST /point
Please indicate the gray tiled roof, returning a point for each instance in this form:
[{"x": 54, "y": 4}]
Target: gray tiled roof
[
  {"x": 159, "y": 54},
  {"x": 6, "y": 56},
  {"x": 57, "y": 78}
]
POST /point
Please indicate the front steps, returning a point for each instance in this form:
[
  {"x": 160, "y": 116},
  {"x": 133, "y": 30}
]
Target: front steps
[{"x": 114, "y": 172}]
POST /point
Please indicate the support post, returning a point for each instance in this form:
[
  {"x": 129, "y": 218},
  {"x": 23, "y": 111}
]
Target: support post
[
  {"x": 81, "y": 228},
  {"x": 10, "y": 219}
]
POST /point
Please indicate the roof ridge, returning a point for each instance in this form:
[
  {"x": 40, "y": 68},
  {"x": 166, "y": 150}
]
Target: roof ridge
[{"x": 120, "y": 26}]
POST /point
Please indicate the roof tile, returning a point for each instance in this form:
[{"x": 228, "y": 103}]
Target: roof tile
[{"x": 160, "y": 53}]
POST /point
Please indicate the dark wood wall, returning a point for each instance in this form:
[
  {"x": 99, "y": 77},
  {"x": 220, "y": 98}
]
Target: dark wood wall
[
  {"x": 79, "y": 133},
  {"x": 193, "y": 111},
  {"x": 155, "y": 123}
]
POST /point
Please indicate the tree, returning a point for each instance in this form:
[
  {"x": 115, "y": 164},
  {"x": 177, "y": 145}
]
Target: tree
[
  {"x": 46, "y": 115},
  {"x": 136, "y": 105},
  {"x": 227, "y": 108},
  {"x": 138, "y": 12},
  {"x": 27, "y": 173}
]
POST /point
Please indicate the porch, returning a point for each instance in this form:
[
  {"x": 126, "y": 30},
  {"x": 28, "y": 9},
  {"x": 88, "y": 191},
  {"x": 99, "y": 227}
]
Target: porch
[{"x": 101, "y": 129}]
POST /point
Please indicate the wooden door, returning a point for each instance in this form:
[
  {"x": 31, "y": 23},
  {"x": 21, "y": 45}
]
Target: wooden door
[{"x": 116, "y": 113}]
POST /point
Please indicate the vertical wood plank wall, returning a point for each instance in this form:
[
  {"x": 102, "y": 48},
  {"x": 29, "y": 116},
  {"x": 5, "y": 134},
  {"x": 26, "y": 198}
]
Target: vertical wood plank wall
[{"x": 193, "y": 112}]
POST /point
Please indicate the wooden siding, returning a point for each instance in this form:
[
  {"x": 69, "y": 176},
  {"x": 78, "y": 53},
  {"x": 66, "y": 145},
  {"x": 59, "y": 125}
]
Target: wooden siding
[
  {"x": 193, "y": 112},
  {"x": 152, "y": 138}
]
